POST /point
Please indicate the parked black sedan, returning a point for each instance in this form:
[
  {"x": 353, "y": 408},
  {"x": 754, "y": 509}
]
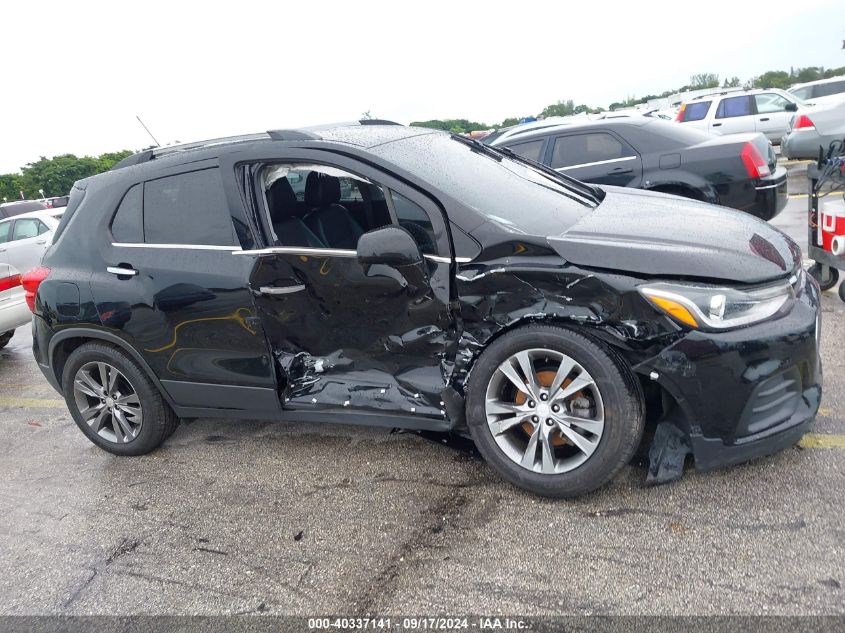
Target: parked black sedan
[
  {"x": 738, "y": 171},
  {"x": 452, "y": 287}
]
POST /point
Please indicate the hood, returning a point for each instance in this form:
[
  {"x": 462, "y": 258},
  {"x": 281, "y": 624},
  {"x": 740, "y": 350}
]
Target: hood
[{"x": 662, "y": 235}]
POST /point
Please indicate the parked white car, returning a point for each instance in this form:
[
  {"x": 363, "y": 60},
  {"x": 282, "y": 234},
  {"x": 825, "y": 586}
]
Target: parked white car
[
  {"x": 23, "y": 240},
  {"x": 820, "y": 92},
  {"x": 761, "y": 110}
]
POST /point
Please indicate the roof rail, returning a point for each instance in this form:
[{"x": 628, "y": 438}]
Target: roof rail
[
  {"x": 134, "y": 159},
  {"x": 292, "y": 135},
  {"x": 377, "y": 122}
]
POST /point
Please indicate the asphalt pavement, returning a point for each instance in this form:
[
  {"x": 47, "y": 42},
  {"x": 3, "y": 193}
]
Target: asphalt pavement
[{"x": 282, "y": 518}]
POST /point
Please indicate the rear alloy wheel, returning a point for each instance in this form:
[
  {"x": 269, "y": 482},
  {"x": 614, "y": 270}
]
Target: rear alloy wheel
[
  {"x": 107, "y": 402},
  {"x": 553, "y": 411},
  {"x": 114, "y": 402},
  {"x": 5, "y": 337}
]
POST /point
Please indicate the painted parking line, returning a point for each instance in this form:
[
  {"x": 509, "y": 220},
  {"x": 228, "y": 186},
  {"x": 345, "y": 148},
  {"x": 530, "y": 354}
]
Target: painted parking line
[
  {"x": 822, "y": 440},
  {"x": 32, "y": 403}
]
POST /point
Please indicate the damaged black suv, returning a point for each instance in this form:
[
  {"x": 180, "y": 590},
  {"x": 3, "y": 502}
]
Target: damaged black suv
[{"x": 388, "y": 275}]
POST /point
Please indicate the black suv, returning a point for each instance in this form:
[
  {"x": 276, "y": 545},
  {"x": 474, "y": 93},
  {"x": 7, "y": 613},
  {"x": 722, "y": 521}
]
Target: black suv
[{"x": 423, "y": 281}]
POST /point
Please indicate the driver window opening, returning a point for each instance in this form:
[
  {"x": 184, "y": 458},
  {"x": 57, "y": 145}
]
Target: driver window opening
[{"x": 318, "y": 206}]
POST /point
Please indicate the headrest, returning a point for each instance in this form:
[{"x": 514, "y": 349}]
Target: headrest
[
  {"x": 281, "y": 200},
  {"x": 321, "y": 190}
]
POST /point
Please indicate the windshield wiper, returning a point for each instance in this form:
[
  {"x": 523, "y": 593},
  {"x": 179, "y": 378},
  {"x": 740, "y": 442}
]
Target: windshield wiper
[
  {"x": 475, "y": 146},
  {"x": 596, "y": 194}
]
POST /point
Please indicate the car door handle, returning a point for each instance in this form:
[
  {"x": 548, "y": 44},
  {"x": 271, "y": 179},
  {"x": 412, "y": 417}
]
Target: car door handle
[
  {"x": 121, "y": 270},
  {"x": 41, "y": 242},
  {"x": 620, "y": 170},
  {"x": 281, "y": 290},
  {"x": 765, "y": 118},
  {"x": 716, "y": 125}
]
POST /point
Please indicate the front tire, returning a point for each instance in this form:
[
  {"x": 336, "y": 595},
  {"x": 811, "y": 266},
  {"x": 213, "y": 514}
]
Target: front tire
[
  {"x": 815, "y": 271},
  {"x": 114, "y": 402},
  {"x": 5, "y": 337},
  {"x": 553, "y": 411}
]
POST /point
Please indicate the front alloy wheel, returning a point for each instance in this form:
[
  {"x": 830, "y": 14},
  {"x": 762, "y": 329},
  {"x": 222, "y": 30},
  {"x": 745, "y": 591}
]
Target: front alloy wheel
[
  {"x": 554, "y": 411},
  {"x": 544, "y": 411},
  {"x": 108, "y": 402}
]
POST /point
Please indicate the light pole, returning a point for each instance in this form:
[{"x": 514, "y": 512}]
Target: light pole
[{"x": 41, "y": 191}]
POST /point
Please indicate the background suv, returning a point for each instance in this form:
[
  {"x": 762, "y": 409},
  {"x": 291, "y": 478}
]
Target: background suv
[
  {"x": 763, "y": 110},
  {"x": 820, "y": 91}
]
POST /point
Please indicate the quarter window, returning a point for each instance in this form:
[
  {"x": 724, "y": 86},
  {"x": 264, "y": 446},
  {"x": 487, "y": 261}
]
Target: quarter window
[
  {"x": 825, "y": 90},
  {"x": 532, "y": 150},
  {"x": 413, "y": 217},
  {"x": 580, "y": 149},
  {"x": 128, "y": 223},
  {"x": 28, "y": 227},
  {"x": 187, "y": 209},
  {"x": 769, "y": 102},
  {"x": 734, "y": 106},
  {"x": 695, "y": 111}
]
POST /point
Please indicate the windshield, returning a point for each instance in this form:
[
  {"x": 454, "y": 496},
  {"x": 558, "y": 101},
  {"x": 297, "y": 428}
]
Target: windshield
[{"x": 499, "y": 189}]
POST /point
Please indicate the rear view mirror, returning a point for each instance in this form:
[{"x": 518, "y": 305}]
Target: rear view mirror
[
  {"x": 791, "y": 107},
  {"x": 390, "y": 245}
]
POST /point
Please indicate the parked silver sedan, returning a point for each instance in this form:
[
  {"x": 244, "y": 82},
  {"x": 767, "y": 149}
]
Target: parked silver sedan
[
  {"x": 814, "y": 128},
  {"x": 23, "y": 240}
]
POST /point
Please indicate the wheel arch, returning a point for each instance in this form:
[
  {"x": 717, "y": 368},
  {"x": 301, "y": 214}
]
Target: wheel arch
[{"x": 65, "y": 342}]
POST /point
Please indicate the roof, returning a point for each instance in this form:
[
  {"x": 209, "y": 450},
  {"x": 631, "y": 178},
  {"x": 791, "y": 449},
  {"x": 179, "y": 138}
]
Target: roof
[
  {"x": 734, "y": 93},
  {"x": 365, "y": 133},
  {"x": 570, "y": 123},
  {"x": 40, "y": 214}
]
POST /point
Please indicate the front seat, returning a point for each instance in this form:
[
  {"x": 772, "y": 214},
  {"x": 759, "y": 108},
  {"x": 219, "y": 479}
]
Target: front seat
[
  {"x": 284, "y": 214},
  {"x": 331, "y": 222}
]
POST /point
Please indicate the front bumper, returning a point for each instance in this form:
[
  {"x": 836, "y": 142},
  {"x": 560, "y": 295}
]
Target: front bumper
[
  {"x": 772, "y": 195},
  {"x": 748, "y": 392}
]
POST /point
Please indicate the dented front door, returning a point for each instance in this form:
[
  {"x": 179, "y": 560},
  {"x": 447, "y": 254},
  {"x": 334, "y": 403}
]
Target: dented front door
[{"x": 356, "y": 336}]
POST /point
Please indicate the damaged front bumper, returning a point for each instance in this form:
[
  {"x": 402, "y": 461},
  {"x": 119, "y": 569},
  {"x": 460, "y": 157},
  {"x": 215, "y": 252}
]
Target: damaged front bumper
[{"x": 739, "y": 394}]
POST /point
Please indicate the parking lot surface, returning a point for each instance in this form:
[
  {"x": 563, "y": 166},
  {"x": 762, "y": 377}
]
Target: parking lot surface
[{"x": 257, "y": 517}]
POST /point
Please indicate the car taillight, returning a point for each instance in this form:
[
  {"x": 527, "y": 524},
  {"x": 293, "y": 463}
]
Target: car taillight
[
  {"x": 30, "y": 282},
  {"x": 755, "y": 164},
  {"x": 803, "y": 122}
]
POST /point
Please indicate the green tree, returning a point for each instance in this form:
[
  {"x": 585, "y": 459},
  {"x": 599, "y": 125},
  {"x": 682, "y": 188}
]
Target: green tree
[
  {"x": 773, "y": 79},
  {"x": 561, "y": 108},
  {"x": 811, "y": 73},
  {"x": 456, "y": 126},
  {"x": 704, "y": 80},
  {"x": 56, "y": 175},
  {"x": 733, "y": 82},
  {"x": 10, "y": 187}
]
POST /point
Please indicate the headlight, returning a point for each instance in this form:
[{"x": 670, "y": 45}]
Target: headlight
[{"x": 717, "y": 308}]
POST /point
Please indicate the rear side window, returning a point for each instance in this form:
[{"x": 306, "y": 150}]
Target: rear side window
[
  {"x": 695, "y": 111},
  {"x": 734, "y": 106},
  {"x": 803, "y": 93},
  {"x": 579, "y": 149},
  {"x": 187, "y": 209},
  {"x": 532, "y": 150},
  {"x": 28, "y": 227},
  {"x": 127, "y": 225},
  {"x": 825, "y": 90},
  {"x": 4, "y": 231}
]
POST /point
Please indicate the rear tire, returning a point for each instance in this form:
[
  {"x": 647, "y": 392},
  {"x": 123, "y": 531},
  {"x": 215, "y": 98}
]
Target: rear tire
[
  {"x": 815, "y": 272},
  {"x": 842, "y": 291},
  {"x": 114, "y": 402},
  {"x": 610, "y": 406},
  {"x": 5, "y": 337}
]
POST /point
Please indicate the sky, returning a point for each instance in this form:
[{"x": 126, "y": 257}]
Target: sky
[{"x": 78, "y": 73}]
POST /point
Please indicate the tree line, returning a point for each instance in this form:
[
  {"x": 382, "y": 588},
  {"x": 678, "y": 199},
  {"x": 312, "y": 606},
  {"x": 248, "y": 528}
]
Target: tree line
[
  {"x": 55, "y": 176},
  {"x": 770, "y": 79}
]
